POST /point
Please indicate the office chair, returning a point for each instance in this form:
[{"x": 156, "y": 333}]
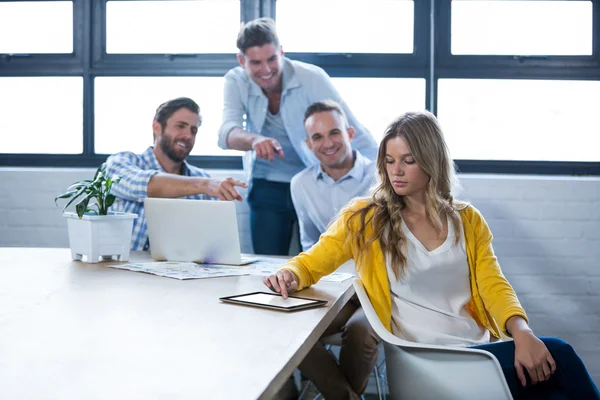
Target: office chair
[{"x": 431, "y": 372}]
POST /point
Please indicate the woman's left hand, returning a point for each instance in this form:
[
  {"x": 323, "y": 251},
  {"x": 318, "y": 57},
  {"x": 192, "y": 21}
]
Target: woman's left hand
[{"x": 533, "y": 355}]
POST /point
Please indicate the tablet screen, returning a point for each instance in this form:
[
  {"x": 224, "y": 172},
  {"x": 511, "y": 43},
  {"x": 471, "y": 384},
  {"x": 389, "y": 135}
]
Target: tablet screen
[
  {"x": 277, "y": 301},
  {"x": 274, "y": 301}
]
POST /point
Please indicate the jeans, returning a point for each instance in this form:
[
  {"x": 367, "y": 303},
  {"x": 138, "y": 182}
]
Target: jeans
[
  {"x": 272, "y": 217},
  {"x": 570, "y": 381}
]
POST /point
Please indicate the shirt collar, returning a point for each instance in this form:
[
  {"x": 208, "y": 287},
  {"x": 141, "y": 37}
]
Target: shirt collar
[
  {"x": 153, "y": 163},
  {"x": 288, "y": 76},
  {"x": 357, "y": 171}
]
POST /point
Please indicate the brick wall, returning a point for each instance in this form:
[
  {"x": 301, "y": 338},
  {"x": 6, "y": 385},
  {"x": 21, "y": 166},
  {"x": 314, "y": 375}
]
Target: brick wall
[{"x": 547, "y": 237}]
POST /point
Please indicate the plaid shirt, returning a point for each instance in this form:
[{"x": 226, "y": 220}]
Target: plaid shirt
[{"x": 135, "y": 171}]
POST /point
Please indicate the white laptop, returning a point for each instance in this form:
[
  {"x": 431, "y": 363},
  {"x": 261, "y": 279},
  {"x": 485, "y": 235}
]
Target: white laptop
[{"x": 202, "y": 231}]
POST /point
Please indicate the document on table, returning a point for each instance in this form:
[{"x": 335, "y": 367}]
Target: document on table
[
  {"x": 181, "y": 270},
  {"x": 266, "y": 268},
  {"x": 337, "y": 277},
  {"x": 185, "y": 270}
]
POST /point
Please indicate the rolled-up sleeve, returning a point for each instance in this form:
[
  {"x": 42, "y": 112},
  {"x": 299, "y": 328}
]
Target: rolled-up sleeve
[
  {"x": 133, "y": 185},
  {"x": 233, "y": 109}
]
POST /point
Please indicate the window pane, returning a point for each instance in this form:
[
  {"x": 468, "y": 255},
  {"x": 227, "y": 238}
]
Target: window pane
[
  {"x": 522, "y": 27},
  {"x": 46, "y": 115},
  {"x": 376, "y": 102},
  {"x": 520, "y": 119},
  {"x": 36, "y": 27},
  {"x": 172, "y": 27},
  {"x": 346, "y": 26},
  {"x": 125, "y": 109}
]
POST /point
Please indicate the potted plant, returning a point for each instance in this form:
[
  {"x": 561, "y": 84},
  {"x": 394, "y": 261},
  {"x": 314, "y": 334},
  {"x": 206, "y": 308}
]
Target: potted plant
[{"x": 94, "y": 231}]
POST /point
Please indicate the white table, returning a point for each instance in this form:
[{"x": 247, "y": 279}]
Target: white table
[{"x": 71, "y": 330}]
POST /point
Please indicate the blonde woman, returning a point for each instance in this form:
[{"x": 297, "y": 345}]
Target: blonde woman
[{"x": 428, "y": 266}]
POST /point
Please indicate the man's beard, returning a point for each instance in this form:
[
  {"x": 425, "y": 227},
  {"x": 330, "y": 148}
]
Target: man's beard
[{"x": 167, "y": 145}]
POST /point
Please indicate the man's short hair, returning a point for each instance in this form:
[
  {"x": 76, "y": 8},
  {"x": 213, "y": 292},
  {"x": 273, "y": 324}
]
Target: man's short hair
[
  {"x": 324, "y": 106},
  {"x": 257, "y": 32},
  {"x": 168, "y": 108}
]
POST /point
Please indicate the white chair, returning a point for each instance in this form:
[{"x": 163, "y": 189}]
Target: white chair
[{"x": 430, "y": 372}]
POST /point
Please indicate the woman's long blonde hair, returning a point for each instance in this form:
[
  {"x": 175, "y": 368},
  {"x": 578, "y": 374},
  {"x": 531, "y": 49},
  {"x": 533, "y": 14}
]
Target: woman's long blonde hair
[{"x": 424, "y": 136}]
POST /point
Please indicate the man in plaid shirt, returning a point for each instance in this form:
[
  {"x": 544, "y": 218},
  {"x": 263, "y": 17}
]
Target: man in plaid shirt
[{"x": 161, "y": 170}]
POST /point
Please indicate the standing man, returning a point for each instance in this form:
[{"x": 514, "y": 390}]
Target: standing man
[
  {"x": 319, "y": 192},
  {"x": 161, "y": 170},
  {"x": 272, "y": 92}
]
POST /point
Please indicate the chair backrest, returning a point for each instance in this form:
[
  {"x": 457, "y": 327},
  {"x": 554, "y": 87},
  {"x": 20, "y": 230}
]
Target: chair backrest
[{"x": 419, "y": 371}]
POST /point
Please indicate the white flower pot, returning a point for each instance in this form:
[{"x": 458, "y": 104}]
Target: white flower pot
[{"x": 100, "y": 236}]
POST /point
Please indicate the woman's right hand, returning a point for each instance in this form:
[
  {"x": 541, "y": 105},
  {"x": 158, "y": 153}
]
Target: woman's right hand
[{"x": 283, "y": 281}]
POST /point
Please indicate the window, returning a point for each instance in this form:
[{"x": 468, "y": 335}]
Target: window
[
  {"x": 36, "y": 27},
  {"x": 489, "y": 119},
  {"x": 513, "y": 82},
  {"x": 522, "y": 27},
  {"x": 172, "y": 27},
  {"x": 376, "y": 102},
  {"x": 38, "y": 108},
  {"x": 125, "y": 108},
  {"x": 346, "y": 26}
]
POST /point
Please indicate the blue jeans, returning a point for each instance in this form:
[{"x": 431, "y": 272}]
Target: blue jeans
[
  {"x": 272, "y": 217},
  {"x": 570, "y": 381}
]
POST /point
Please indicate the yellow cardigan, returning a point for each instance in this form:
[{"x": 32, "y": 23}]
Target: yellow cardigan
[{"x": 493, "y": 300}]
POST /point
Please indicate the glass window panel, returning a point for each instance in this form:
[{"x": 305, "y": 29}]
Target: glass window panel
[
  {"x": 522, "y": 27},
  {"x": 125, "y": 108},
  {"x": 36, "y": 27},
  {"x": 46, "y": 115},
  {"x": 376, "y": 102},
  {"x": 520, "y": 119},
  {"x": 346, "y": 26},
  {"x": 172, "y": 27}
]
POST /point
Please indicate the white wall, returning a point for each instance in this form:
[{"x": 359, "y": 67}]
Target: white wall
[{"x": 547, "y": 237}]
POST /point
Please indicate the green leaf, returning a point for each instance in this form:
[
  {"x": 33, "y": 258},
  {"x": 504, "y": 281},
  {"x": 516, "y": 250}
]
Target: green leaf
[
  {"x": 65, "y": 195},
  {"x": 83, "y": 182},
  {"x": 97, "y": 184},
  {"x": 79, "y": 193},
  {"x": 98, "y": 189},
  {"x": 99, "y": 171},
  {"x": 96, "y": 211},
  {"x": 81, "y": 207},
  {"x": 78, "y": 185},
  {"x": 110, "y": 199}
]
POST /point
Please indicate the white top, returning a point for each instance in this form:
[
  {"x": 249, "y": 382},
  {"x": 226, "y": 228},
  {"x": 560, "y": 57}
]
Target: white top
[
  {"x": 318, "y": 198},
  {"x": 429, "y": 303}
]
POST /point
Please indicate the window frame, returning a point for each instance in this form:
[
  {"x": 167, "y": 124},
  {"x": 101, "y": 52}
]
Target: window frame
[
  {"x": 431, "y": 60},
  {"x": 185, "y": 64},
  {"x": 533, "y": 66},
  {"x": 57, "y": 64},
  {"x": 449, "y": 66}
]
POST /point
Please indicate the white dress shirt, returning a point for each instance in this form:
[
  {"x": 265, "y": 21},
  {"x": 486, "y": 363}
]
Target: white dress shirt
[{"x": 318, "y": 198}]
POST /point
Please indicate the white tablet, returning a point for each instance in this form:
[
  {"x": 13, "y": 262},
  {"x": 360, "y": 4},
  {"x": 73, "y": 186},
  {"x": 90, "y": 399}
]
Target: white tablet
[{"x": 274, "y": 301}]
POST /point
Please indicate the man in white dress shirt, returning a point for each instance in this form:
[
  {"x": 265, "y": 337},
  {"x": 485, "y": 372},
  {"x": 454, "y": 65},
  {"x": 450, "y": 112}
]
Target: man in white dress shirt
[
  {"x": 321, "y": 191},
  {"x": 318, "y": 193}
]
